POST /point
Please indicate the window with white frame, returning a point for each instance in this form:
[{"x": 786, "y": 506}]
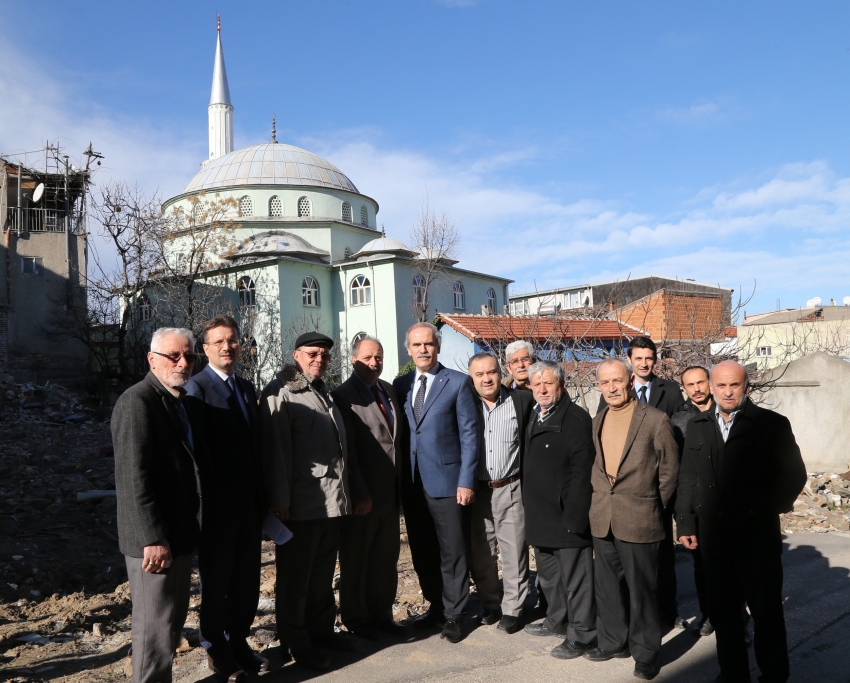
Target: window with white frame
[
  {"x": 32, "y": 265},
  {"x": 764, "y": 351},
  {"x": 459, "y": 296},
  {"x": 199, "y": 213},
  {"x": 491, "y": 300},
  {"x": 357, "y": 337},
  {"x": 346, "y": 212},
  {"x": 144, "y": 308},
  {"x": 275, "y": 207},
  {"x": 246, "y": 206},
  {"x": 310, "y": 291},
  {"x": 361, "y": 291},
  {"x": 418, "y": 290},
  {"x": 364, "y": 216},
  {"x": 247, "y": 293},
  {"x": 304, "y": 208}
]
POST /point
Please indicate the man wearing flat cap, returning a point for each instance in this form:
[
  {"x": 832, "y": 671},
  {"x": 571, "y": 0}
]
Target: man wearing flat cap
[{"x": 311, "y": 481}]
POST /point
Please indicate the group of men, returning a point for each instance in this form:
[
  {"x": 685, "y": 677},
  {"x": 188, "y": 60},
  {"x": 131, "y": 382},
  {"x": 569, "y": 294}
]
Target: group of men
[{"x": 483, "y": 466}]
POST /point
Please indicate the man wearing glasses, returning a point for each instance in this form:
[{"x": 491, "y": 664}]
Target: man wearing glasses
[
  {"x": 519, "y": 356},
  {"x": 158, "y": 444},
  {"x": 229, "y": 553},
  {"x": 311, "y": 481}
]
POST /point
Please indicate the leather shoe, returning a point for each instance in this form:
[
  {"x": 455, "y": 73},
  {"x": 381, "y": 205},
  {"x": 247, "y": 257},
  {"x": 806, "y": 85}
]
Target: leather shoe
[
  {"x": 451, "y": 631},
  {"x": 508, "y": 624},
  {"x": 227, "y": 667},
  {"x": 569, "y": 649},
  {"x": 597, "y": 654},
  {"x": 541, "y": 630},
  {"x": 311, "y": 657},
  {"x": 430, "y": 619},
  {"x": 364, "y": 631},
  {"x": 679, "y": 623},
  {"x": 489, "y": 617},
  {"x": 391, "y": 627},
  {"x": 705, "y": 628},
  {"x": 248, "y": 659},
  {"x": 645, "y": 671},
  {"x": 335, "y": 641}
]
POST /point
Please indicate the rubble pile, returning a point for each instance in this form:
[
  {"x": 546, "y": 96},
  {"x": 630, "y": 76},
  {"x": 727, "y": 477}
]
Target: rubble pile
[{"x": 822, "y": 506}]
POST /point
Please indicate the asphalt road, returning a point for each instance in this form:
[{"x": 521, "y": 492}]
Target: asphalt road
[{"x": 817, "y": 608}]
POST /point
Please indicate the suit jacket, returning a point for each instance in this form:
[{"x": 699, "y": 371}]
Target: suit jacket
[
  {"x": 734, "y": 491},
  {"x": 157, "y": 479},
  {"x": 373, "y": 440},
  {"x": 233, "y": 476},
  {"x": 665, "y": 394},
  {"x": 445, "y": 441},
  {"x": 645, "y": 483},
  {"x": 523, "y": 403},
  {"x": 556, "y": 488}
]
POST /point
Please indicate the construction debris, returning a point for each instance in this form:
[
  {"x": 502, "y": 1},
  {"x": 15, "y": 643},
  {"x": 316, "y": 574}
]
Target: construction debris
[{"x": 822, "y": 506}]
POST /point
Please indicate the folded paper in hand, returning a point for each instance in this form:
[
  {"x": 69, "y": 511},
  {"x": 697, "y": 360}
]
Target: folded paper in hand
[{"x": 275, "y": 529}]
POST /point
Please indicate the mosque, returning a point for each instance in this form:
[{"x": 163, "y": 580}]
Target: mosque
[{"x": 306, "y": 239}]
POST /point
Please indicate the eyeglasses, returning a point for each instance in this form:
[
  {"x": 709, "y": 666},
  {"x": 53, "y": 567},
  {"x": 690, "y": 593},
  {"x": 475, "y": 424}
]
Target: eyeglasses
[
  {"x": 517, "y": 361},
  {"x": 312, "y": 355},
  {"x": 222, "y": 342},
  {"x": 175, "y": 357}
]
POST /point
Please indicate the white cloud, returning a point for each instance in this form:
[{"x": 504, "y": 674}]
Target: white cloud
[{"x": 699, "y": 114}]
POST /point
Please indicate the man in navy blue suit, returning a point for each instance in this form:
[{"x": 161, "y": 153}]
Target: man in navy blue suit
[
  {"x": 231, "y": 530},
  {"x": 439, "y": 475}
]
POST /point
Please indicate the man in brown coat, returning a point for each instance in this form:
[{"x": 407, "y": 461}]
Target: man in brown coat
[{"x": 633, "y": 478}]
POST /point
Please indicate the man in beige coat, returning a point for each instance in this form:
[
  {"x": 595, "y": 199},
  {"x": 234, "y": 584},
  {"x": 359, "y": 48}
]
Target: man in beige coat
[
  {"x": 633, "y": 478},
  {"x": 311, "y": 481}
]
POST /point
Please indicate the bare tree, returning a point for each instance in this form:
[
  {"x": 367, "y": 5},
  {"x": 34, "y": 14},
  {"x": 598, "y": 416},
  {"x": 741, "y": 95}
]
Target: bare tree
[{"x": 435, "y": 238}]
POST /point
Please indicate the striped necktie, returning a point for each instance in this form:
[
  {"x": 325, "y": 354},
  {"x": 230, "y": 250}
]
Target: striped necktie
[{"x": 419, "y": 401}]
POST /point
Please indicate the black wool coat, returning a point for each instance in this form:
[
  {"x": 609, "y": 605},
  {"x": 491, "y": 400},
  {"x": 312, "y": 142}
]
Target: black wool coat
[
  {"x": 556, "y": 469},
  {"x": 732, "y": 493}
]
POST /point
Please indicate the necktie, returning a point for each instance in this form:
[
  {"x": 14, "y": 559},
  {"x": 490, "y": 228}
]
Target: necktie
[
  {"x": 377, "y": 395},
  {"x": 419, "y": 401},
  {"x": 231, "y": 382},
  {"x": 184, "y": 420},
  {"x": 642, "y": 394}
]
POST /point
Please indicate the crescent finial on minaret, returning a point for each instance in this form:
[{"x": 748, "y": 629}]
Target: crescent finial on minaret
[
  {"x": 218, "y": 20},
  {"x": 274, "y": 130}
]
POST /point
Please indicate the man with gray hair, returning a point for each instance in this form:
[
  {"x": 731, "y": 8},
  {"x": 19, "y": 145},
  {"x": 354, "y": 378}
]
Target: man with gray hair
[
  {"x": 519, "y": 355},
  {"x": 158, "y": 445},
  {"x": 497, "y": 511}
]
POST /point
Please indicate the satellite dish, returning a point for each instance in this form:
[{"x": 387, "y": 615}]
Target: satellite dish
[
  {"x": 38, "y": 193},
  {"x": 846, "y": 300},
  {"x": 810, "y": 303},
  {"x": 816, "y": 301}
]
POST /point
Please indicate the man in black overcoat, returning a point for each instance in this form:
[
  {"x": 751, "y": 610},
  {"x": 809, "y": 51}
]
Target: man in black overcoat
[
  {"x": 556, "y": 493},
  {"x": 741, "y": 468},
  {"x": 229, "y": 553}
]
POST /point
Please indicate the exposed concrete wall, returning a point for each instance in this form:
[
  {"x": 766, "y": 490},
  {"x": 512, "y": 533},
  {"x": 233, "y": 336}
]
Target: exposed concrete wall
[{"x": 813, "y": 392}]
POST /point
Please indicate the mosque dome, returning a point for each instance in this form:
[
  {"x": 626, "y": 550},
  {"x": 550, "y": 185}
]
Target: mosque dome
[
  {"x": 383, "y": 246},
  {"x": 277, "y": 243},
  {"x": 271, "y": 163}
]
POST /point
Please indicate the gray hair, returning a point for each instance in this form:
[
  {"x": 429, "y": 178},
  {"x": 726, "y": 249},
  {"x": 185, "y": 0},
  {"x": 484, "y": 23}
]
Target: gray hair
[
  {"x": 540, "y": 366},
  {"x": 416, "y": 326},
  {"x": 519, "y": 345},
  {"x": 163, "y": 332},
  {"x": 481, "y": 356},
  {"x": 615, "y": 361},
  {"x": 355, "y": 345}
]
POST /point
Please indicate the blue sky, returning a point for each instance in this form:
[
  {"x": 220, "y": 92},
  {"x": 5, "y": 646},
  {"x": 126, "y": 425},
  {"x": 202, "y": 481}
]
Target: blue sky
[{"x": 571, "y": 142}]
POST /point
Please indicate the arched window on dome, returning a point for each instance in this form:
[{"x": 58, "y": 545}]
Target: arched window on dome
[
  {"x": 460, "y": 296},
  {"x": 491, "y": 300},
  {"x": 247, "y": 293},
  {"x": 304, "y": 208},
  {"x": 346, "y": 212},
  {"x": 275, "y": 207},
  {"x": 310, "y": 291},
  {"x": 361, "y": 291},
  {"x": 347, "y": 253},
  {"x": 246, "y": 206},
  {"x": 144, "y": 308},
  {"x": 418, "y": 291},
  {"x": 364, "y": 216},
  {"x": 198, "y": 213}
]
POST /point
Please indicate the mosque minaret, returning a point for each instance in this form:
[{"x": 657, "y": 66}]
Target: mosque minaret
[{"x": 220, "y": 110}]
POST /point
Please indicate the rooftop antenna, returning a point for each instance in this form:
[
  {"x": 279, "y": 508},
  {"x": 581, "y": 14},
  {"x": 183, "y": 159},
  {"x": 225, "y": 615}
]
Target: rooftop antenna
[{"x": 274, "y": 130}]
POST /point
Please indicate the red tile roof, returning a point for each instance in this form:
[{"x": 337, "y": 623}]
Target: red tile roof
[{"x": 533, "y": 328}]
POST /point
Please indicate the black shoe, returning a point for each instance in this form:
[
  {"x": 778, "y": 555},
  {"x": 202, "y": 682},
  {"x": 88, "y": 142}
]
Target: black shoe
[
  {"x": 451, "y": 631},
  {"x": 597, "y": 654},
  {"x": 705, "y": 628},
  {"x": 489, "y": 617},
  {"x": 335, "y": 641},
  {"x": 431, "y": 619},
  {"x": 645, "y": 671},
  {"x": 364, "y": 631},
  {"x": 311, "y": 657},
  {"x": 569, "y": 649},
  {"x": 248, "y": 659},
  {"x": 227, "y": 668},
  {"x": 508, "y": 624},
  {"x": 391, "y": 627},
  {"x": 679, "y": 623},
  {"x": 541, "y": 630}
]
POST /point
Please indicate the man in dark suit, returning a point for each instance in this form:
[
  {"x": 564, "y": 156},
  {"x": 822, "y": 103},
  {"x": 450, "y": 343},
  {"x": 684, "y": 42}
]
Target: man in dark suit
[
  {"x": 497, "y": 514},
  {"x": 666, "y": 396},
  {"x": 439, "y": 476},
  {"x": 158, "y": 448},
  {"x": 634, "y": 478},
  {"x": 736, "y": 524},
  {"x": 229, "y": 554},
  {"x": 369, "y": 544},
  {"x": 556, "y": 492}
]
